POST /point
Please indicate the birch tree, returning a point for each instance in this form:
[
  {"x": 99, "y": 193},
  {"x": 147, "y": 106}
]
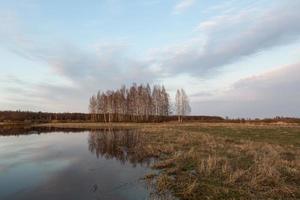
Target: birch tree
[
  {"x": 178, "y": 104},
  {"x": 93, "y": 107},
  {"x": 137, "y": 102},
  {"x": 186, "y": 108},
  {"x": 165, "y": 102},
  {"x": 182, "y": 104}
]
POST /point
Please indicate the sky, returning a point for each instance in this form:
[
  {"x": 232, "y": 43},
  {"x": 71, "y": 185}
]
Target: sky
[{"x": 233, "y": 58}]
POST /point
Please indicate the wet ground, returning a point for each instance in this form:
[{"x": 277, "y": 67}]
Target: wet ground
[{"x": 47, "y": 164}]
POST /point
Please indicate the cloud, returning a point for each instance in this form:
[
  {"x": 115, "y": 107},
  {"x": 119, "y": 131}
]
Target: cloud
[
  {"x": 230, "y": 37},
  {"x": 106, "y": 63},
  {"x": 271, "y": 94},
  {"x": 81, "y": 70},
  {"x": 102, "y": 67},
  {"x": 41, "y": 96},
  {"x": 183, "y": 5},
  {"x": 219, "y": 41}
]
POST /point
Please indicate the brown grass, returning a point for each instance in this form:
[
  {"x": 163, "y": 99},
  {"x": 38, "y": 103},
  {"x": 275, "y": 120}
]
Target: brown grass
[
  {"x": 216, "y": 161},
  {"x": 198, "y": 165}
]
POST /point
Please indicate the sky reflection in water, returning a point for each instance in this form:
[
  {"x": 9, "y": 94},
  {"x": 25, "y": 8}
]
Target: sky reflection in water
[{"x": 74, "y": 165}]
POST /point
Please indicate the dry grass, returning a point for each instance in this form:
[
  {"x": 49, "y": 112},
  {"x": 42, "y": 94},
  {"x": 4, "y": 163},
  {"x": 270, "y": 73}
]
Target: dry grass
[
  {"x": 221, "y": 161},
  {"x": 201, "y": 166}
]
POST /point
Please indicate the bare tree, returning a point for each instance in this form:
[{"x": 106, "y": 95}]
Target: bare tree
[
  {"x": 93, "y": 107},
  {"x": 148, "y": 101},
  {"x": 155, "y": 100},
  {"x": 165, "y": 102},
  {"x": 98, "y": 105},
  {"x": 178, "y": 104},
  {"x": 186, "y": 103},
  {"x": 136, "y": 103},
  {"x": 182, "y": 104}
]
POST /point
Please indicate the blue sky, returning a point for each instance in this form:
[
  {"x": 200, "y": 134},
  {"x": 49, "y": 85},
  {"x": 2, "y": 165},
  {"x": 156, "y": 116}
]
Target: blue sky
[{"x": 234, "y": 58}]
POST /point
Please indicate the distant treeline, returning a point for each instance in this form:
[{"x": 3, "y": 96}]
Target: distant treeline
[
  {"x": 43, "y": 117},
  {"x": 265, "y": 120},
  {"x": 23, "y": 116}
]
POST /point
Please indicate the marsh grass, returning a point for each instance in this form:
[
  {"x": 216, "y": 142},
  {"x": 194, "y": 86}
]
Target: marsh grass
[
  {"x": 222, "y": 161},
  {"x": 197, "y": 165}
]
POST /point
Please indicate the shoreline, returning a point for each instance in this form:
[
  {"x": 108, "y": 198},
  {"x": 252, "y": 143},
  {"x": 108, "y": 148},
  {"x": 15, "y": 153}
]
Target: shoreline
[
  {"x": 172, "y": 124},
  {"x": 215, "y": 160}
]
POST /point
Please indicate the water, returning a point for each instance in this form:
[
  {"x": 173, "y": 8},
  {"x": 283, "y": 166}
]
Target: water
[{"x": 71, "y": 165}]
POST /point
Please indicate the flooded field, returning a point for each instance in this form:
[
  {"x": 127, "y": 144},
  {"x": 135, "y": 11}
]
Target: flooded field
[
  {"x": 150, "y": 161},
  {"x": 71, "y": 165}
]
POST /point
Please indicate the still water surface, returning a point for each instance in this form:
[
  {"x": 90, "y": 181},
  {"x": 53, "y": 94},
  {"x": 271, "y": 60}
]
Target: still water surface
[{"x": 73, "y": 165}]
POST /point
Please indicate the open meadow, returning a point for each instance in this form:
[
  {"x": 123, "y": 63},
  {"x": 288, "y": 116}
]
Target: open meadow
[{"x": 216, "y": 160}]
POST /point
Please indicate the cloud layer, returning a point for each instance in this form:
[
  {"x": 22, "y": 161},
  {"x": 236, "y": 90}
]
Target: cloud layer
[
  {"x": 229, "y": 37},
  {"x": 222, "y": 39},
  {"x": 270, "y": 94}
]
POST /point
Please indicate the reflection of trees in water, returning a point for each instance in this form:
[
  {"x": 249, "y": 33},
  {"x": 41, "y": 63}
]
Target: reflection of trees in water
[
  {"x": 124, "y": 145},
  {"x": 15, "y": 130}
]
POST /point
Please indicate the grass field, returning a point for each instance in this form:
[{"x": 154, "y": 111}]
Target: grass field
[{"x": 218, "y": 161}]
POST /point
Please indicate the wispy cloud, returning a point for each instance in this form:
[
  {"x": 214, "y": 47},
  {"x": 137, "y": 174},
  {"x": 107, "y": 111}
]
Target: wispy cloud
[
  {"x": 228, "y": 38},
  {"x": 221, "y": 40},
  {"x": 183, "y": 5},
  {"x": 101, "y": 63},
  {"x": 86, "y": 69},
  {"x": 270, "y": 94}
]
